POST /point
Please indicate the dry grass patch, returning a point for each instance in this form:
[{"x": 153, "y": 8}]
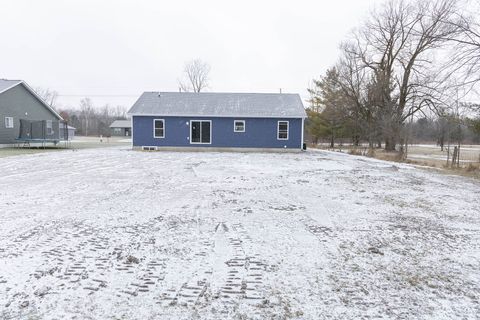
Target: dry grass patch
[
  {"x": 356, "y": 152},
  {"x": 389, "y": 155},
  {"x": 471, "y": 170},
  {"x": 467, "y": 170}
]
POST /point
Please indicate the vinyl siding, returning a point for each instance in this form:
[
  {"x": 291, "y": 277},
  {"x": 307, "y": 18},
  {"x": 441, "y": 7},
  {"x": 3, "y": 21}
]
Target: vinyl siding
[
  {"x": 121, "y": 133},
  {"x": 259, "y": 132},
  {"x": 19, "y": 103}
]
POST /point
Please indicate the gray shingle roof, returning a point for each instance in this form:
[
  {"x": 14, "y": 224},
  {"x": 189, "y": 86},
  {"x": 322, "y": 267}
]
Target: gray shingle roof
[
  {"x": 121, "y": 124},
  {"x": 213, "y": 104},
  {"x": 6, "y": 84}
]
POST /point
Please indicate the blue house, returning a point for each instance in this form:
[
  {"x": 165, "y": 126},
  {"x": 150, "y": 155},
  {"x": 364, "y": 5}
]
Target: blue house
[{"x": 241, "y": 121}]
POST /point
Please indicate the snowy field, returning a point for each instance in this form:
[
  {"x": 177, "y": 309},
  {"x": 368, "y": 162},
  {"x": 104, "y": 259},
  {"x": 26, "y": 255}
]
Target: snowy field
[{"x": 117, "y": 234}]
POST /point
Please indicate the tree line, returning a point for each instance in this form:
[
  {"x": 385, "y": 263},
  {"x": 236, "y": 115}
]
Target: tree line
[
  {"x": 93, "y": 121},
  {"x": 408, "y": 61},
  {"x": 87, "y": 119}
]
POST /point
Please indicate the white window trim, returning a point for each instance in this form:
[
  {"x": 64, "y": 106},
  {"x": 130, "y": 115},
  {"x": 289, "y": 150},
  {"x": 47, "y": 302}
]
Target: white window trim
[
  {"x": 235, "y": 126},
  {"x": 10, "y": 120},
  {"x": 154, "y": 135},
  {"x": 278, "y": 130},
  {"x": 211, "y": 138}
]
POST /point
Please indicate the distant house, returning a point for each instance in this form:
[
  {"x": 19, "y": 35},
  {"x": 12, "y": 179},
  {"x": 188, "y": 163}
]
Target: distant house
[
  {"x": 25, "y": 116},
  {"x": 256, "y": 121},
  {"x": 70, "y": 132},
  {"x": 121, "y": 128}
]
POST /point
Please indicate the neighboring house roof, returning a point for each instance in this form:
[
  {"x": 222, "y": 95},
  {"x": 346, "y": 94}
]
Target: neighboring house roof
[
  {"x": 121, "y": 124},
  {"x": 211, "y": 104},
  {"x": 6, "y": 85}
]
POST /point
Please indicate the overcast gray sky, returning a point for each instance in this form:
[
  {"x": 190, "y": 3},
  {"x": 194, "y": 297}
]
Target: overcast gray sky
[{"x": 112, "y": 51}]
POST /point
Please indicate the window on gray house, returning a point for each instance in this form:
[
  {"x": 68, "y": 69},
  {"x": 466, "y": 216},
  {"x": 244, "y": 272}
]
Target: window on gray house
[
  {"x": 8, "y": 122},
  {"x": 49, "y": 127}
]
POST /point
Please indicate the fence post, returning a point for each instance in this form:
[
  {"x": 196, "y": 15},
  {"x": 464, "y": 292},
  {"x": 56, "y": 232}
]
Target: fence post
[
  {"x": 458, "y": 157},
  {"x": 455, "y": 154}
]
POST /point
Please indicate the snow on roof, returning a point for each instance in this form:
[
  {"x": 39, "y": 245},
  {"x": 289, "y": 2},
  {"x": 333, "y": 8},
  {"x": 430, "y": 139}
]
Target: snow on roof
[
  {"x": 215, "y": 104},
  {"x": 121, "y": 124},
  {"x": 7, "y": 84}
]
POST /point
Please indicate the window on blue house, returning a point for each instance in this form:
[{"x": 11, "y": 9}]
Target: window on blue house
[
  {"x": 239, "y": 126},
  {"x": 158, "y": 128},
  {"x": 282, "y": 132}
]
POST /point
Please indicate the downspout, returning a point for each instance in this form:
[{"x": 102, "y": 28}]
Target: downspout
[
  {"x": 301, "y": 142},
  {"x": 131, "y": 125}
]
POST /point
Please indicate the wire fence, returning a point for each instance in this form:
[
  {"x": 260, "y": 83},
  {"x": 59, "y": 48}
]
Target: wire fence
[
  {"x": 462, "y": 155},
  {"x": 424, "y": 153}
]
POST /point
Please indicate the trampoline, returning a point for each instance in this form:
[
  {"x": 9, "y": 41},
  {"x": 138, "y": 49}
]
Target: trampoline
[{"x": 42, "y": 132}]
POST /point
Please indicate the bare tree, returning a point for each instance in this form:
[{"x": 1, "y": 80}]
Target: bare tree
[
  {"x": 87, "y": 112},
  {"x": 120, "y": 112},
  {"x": 47, "y": 95},
  {"x": 89, "y": 120},
  {"x": 352, "y": 78},
  {"x": 197, "y": 74},
  {"x": 397, "y": 46},
  {"x": 466, "y": 51}
]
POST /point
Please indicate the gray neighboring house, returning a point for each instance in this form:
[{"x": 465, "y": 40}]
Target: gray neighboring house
[
  {"x": 121, "y": 128},
  {"x": 19, "y": 101},
  {"x": 71, "y": 132}
]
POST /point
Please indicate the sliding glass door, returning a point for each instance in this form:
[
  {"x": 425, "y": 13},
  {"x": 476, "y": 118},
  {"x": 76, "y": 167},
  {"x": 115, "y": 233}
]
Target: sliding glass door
[{"x": 201, "y": 131}]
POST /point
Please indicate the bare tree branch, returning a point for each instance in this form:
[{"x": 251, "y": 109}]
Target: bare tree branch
[
  {"x": 197, "y": 74},
  {"x": 49, "y": 96}
]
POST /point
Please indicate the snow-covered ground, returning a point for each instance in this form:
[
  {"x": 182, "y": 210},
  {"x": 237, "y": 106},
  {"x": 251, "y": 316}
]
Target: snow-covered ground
[{"x": 118, "y": 234}]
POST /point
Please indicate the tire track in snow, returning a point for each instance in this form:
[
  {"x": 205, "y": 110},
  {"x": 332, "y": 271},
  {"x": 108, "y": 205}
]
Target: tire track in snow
[{"x": 239, "y": 268}]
